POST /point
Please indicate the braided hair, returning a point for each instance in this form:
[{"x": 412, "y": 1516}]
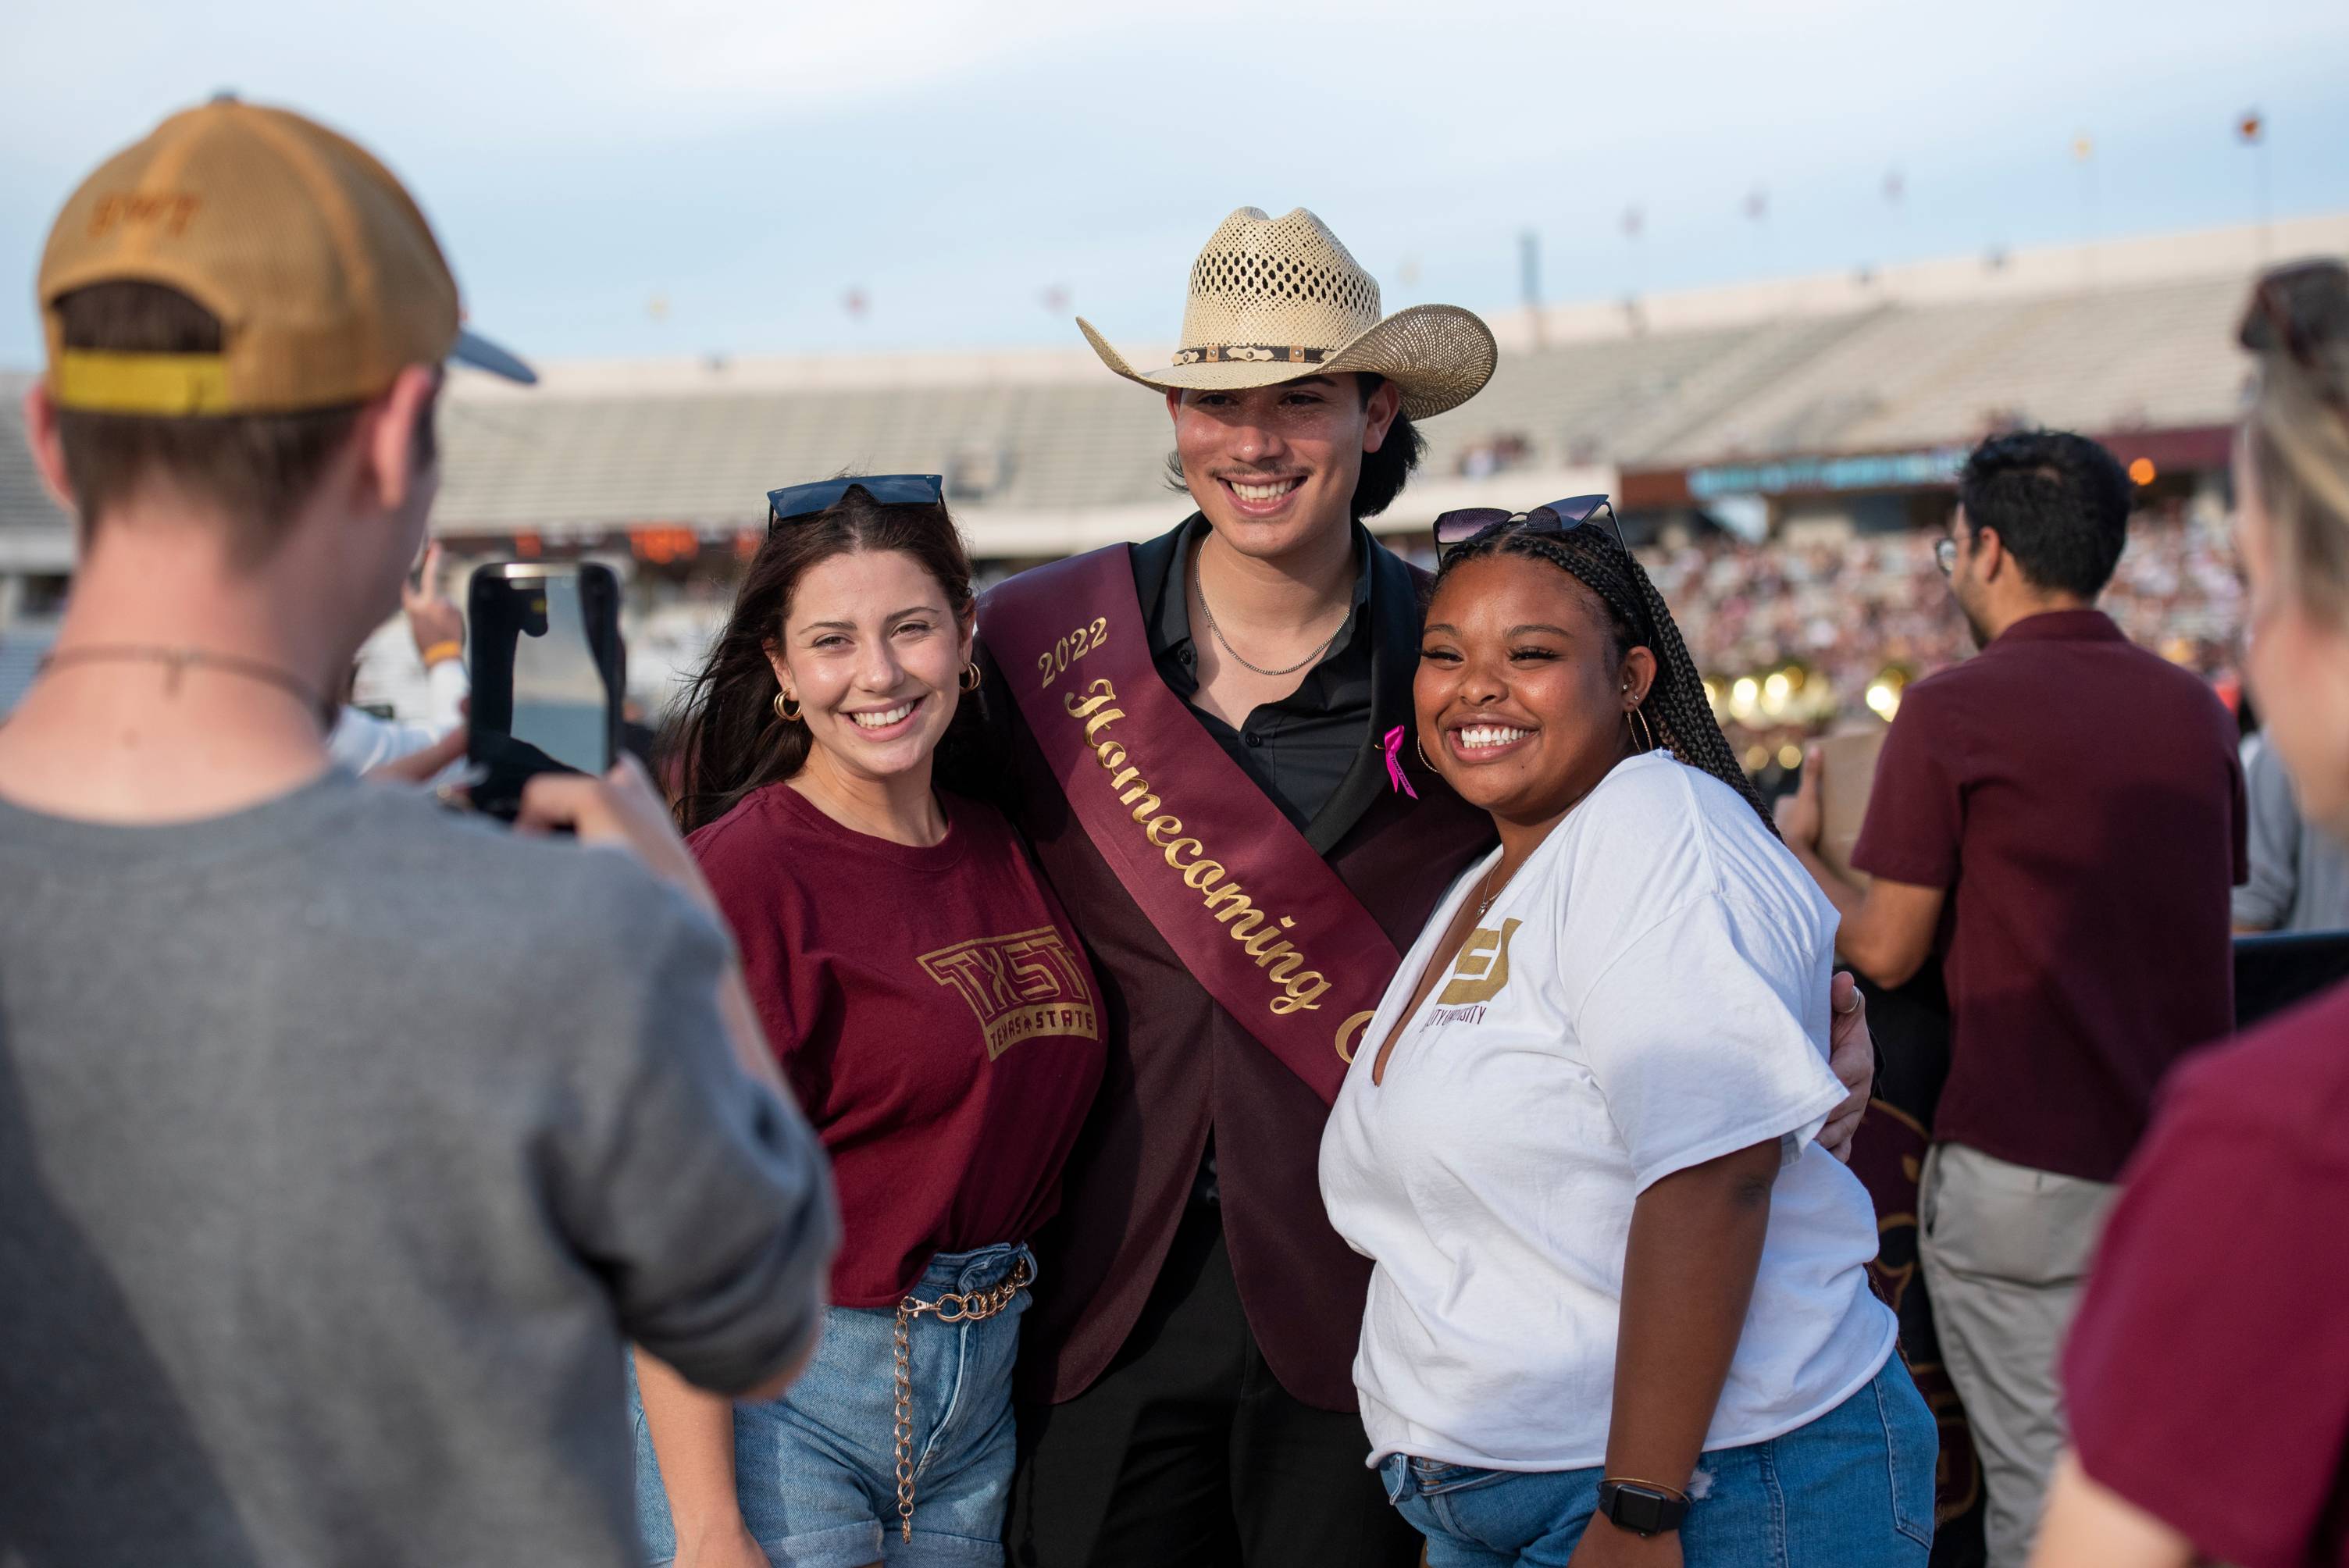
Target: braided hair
[{"x": 1675, "y": 707}]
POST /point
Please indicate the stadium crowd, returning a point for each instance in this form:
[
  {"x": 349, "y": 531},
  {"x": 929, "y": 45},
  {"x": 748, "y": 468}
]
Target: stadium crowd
[{"x": 1854, "y": 607}]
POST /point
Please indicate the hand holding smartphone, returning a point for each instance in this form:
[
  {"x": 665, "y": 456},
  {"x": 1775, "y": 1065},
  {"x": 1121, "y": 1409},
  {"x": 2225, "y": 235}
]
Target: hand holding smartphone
[{"x": 549, "y": 673}]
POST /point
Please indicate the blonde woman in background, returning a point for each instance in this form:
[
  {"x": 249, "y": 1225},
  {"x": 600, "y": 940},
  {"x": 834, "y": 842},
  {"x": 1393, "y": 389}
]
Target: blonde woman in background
[{"x": 2208, "y": 1372}]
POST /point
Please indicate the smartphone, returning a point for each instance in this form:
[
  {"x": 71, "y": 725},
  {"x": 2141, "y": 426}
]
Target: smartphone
[{"x": 549, "y": 673}]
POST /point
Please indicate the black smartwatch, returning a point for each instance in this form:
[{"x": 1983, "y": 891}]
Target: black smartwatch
[{"x": 1641, "y": 1507}]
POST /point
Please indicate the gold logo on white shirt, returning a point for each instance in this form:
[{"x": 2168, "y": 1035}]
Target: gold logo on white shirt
[{"x": 1482, "y": 970}]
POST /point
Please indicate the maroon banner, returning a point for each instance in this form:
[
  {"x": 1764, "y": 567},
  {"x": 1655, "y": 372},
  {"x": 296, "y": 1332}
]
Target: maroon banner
[{"x": 1257, "y": 917}]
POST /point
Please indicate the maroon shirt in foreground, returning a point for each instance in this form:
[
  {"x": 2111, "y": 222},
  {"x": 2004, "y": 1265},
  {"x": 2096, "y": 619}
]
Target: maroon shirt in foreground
[
  {"x": 2208, "y": 1373},
  {"x": 2081, "y": 801},
  {"x": 931, "y": 1010}
]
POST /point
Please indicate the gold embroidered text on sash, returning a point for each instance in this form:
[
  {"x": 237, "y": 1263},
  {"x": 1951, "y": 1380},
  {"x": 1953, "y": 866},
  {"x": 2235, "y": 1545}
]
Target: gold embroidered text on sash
[{"x": 1258, "y": 932}]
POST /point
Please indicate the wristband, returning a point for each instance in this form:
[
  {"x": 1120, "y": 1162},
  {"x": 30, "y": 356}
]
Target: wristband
[{"x": 448, "y": 649}]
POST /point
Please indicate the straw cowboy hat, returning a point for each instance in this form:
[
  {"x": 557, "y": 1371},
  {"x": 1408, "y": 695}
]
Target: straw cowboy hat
[{"x": 1273, "y": 299}]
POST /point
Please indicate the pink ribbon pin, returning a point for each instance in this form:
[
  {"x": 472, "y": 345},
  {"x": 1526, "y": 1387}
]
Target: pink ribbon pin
[{"x": 1394, "y": 763}]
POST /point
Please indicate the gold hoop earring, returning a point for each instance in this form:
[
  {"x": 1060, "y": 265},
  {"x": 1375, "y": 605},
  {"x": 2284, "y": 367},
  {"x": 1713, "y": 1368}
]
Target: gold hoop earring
[
  {"x": 785, "y": 709},
  {"x": 970, "y": 677},
  {"x": 1645, "y": 727}
]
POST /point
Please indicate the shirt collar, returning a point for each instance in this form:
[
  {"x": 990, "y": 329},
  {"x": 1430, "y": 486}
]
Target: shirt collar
[
  {"x": 1168, "y": 559},
  {"x": 1381, "y": 649},
  {"x": 2086, "y": 625}
]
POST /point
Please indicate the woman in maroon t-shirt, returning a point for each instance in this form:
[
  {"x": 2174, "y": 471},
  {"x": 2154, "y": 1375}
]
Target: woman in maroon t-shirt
[
  {"x": 933, "y": 1012},
  {"x": 2208, "y": 1372}
]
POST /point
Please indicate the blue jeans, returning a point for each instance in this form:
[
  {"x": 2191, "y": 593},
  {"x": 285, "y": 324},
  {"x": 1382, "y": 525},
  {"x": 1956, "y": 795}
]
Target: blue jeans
[
  {"x": 1854, "y": 1489},
  {"x": 816, "y": 1470}
]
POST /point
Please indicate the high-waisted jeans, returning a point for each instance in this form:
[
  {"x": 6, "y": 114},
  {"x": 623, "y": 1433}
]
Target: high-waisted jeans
[
  {"x": 816, "y": 1470},
  {"x": 1853, "y": 1489}
]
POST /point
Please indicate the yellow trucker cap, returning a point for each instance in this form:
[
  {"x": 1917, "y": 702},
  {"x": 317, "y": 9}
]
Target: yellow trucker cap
[{"x": 324, "y": 276}]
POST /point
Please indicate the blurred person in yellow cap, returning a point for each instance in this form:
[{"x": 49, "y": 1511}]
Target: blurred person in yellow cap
[{"x": 342, "y": 1138}]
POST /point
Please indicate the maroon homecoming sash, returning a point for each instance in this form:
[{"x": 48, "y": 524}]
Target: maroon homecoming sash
[{"x": 1256, "y": 916}]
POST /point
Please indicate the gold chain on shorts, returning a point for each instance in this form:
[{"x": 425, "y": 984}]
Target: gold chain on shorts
[{"x": 952, "y": 1307}]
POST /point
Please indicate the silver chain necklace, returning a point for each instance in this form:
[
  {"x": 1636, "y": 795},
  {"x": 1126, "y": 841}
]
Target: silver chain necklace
[
  {"x": 1486, "y": 902},
  {"x": 1226, "y": 642}
]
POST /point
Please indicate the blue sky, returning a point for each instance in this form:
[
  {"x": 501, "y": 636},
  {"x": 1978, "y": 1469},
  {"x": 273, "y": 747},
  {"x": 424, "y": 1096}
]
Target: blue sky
[{"x": 749, "y": 165}]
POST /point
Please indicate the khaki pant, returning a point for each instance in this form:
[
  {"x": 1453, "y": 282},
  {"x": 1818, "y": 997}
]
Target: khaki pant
[{"x": 2005, "y": 1250}]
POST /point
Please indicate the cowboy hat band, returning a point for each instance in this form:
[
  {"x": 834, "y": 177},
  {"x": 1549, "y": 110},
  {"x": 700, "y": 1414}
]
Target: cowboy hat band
[
  {"x": 1250, "y": 354},
  {"x": 1271, "y": 295}
]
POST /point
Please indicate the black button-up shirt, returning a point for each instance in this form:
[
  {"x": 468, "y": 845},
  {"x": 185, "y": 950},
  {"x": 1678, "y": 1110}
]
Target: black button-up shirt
[
  {"x": 1297, "y": 750},
  {"x": 1300, "y": 749}
]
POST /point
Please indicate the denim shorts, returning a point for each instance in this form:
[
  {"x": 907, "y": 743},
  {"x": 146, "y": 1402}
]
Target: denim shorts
[
  {"x": 1853, "y": 1489},
  {"x": 816, "y": 1470}
]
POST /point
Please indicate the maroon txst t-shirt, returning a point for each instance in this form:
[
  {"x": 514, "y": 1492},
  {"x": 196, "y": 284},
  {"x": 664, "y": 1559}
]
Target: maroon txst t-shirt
[
  {"x": 931, "y": 1009},
  {"x": 2208, "y": 1373},
  {"x": 2081, "y": 801}
]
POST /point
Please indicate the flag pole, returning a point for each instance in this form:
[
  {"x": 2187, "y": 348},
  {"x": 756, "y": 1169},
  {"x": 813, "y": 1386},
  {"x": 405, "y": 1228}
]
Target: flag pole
[
  {"x": 2251, "y": 130},
  {"x": 2083, "y": 153}
]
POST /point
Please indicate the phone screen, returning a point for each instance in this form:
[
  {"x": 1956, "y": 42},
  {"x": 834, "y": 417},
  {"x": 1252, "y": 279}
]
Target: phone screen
[
  {"x": 558, "y": 691},
  {"x": 541, "y": 696}
]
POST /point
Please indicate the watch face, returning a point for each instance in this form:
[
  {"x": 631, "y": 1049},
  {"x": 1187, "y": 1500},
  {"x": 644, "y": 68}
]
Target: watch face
[
  {"x": 1644, "y": 1508},
  {"x": 1639, "y": 1508}
]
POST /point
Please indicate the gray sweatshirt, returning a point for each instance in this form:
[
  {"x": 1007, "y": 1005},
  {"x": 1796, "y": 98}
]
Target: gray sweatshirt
[{"x": 343, "y": 1145}]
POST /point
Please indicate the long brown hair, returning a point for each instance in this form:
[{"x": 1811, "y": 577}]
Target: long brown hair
[{"x": 724, "y": 738}]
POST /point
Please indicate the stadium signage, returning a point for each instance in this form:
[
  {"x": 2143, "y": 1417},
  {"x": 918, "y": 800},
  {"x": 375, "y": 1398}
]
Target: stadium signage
[{"x": 1862, "y": 471}]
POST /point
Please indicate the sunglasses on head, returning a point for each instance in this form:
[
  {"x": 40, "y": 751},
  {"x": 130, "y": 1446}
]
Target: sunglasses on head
[
  {"x": 1455, "y": 529},
  {"x": 795, "y": 501}
]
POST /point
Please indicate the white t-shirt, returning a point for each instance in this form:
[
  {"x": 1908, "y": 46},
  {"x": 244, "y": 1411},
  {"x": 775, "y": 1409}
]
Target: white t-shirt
[{"x": 1649, "y": 992}]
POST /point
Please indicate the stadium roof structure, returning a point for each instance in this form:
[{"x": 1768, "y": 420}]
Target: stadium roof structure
[{"x": 1047, "y": 453}]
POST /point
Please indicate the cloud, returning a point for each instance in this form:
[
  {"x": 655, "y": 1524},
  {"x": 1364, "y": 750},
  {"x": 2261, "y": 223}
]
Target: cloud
[{"x": 749, "y": 163}]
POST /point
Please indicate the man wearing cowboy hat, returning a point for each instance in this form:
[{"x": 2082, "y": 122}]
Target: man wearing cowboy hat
[{"x": 1204, "y": 736}]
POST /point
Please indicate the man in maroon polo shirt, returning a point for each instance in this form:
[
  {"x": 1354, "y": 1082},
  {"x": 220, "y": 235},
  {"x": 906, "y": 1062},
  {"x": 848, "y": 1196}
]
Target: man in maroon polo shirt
[{"x": 2061, "y": 818}]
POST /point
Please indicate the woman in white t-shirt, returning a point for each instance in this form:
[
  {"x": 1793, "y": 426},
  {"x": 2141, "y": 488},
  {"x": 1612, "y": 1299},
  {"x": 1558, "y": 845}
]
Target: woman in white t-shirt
[{"x": 1620, "y": 1314}]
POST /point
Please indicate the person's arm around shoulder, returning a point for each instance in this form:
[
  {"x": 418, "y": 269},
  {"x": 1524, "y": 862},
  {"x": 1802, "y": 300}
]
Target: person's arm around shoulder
[{"x": 1888, "y": 929}]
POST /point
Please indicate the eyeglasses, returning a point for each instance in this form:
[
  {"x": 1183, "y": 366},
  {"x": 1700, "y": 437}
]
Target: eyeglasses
[
  {"x": 794, "y": 501},
  {"x": 1945, "y": 555},
  {"x": 2299, "y": 309},
  {"x": 1455, "y": 529}
]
